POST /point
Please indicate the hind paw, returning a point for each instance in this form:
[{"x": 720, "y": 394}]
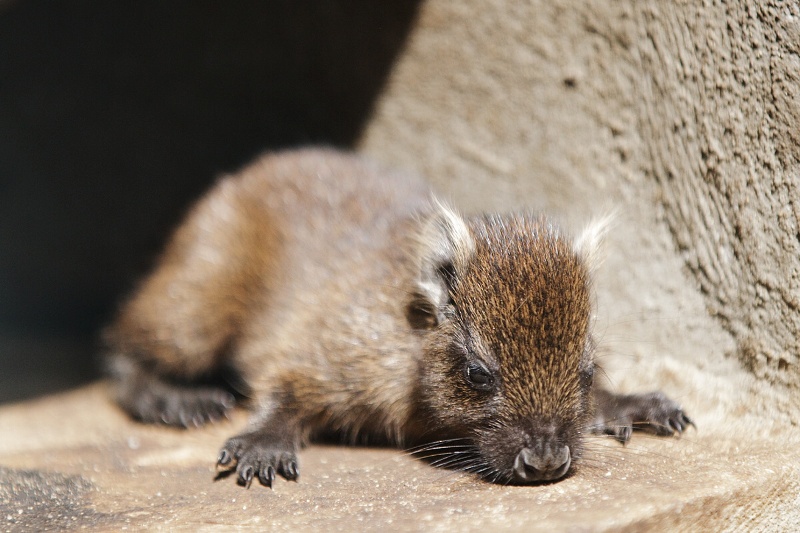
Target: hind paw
[
  {"x": 173, "y": 405},
  {"x": 194, "y": 408}
]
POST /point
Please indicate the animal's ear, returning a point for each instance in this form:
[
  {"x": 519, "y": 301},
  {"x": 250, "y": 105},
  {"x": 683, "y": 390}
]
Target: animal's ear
[
  {"x": 589, "y": 244},
  {"x": 444, "y": 246}
]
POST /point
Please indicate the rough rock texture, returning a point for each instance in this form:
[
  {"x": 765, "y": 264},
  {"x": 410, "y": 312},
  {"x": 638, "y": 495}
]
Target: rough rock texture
[
  {"x": 720, "y": 115},
  {"x": 682, "y": 116}
]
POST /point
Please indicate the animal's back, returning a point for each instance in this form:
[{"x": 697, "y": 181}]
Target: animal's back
[
  {"x": 335, "y": 319},
  {"x": 291, "y": 265}
]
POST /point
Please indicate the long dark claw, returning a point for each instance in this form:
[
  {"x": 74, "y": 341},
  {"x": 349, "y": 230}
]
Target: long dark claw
[
  {"x": 224, "y": 458},
  {"x": 246, "y": 476},
  {"x": 227, "y": 401},
  {"x": 624, "y": 435},
  {"x": 291, "y": 471},
  {"x": 267, "y": 476}
]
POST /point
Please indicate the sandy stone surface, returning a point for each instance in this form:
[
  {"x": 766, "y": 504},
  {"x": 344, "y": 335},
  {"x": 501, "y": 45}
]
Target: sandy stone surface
[{"x": 74, "y": 461}]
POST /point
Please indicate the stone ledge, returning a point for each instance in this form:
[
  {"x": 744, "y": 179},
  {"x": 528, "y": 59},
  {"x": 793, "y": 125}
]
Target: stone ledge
[{"x": 74, "y": 460}]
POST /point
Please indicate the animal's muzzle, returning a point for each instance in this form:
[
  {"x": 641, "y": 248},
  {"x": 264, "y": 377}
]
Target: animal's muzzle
[{"x": 541, "y": 465}]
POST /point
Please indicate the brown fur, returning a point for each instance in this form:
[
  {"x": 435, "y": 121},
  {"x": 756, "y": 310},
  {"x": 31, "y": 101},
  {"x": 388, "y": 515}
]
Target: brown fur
[{"x": 352, "y": 304}]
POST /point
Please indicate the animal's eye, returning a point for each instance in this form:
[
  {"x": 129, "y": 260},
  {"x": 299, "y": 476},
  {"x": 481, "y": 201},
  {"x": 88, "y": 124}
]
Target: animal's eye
[{"x": 479, "y": 378}]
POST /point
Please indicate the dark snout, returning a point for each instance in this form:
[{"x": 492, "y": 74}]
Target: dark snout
[{"x": 541, "y": 463}]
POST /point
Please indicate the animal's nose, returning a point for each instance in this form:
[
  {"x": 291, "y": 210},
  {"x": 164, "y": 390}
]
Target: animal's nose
[{"x": 547, "y": 464}]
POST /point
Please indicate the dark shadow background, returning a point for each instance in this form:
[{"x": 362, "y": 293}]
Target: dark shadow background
[{"x": 115, "y": 116}]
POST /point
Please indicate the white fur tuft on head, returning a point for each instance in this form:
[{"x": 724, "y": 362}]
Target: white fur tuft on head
[
  {"x": 589, "y": 244},
  {"x": 443, "y": 242}
]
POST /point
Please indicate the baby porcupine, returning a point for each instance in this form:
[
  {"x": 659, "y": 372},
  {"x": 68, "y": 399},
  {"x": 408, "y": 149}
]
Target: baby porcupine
[{"x": 353, "y": 304}]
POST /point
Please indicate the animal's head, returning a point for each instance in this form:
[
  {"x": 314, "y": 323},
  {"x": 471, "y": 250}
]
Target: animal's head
[{"x": 509, "y": 352}]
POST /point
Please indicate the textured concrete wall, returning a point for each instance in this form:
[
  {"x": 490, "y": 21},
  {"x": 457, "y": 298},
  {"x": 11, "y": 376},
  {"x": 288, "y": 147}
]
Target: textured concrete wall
[{"x": 720, "y": 115}]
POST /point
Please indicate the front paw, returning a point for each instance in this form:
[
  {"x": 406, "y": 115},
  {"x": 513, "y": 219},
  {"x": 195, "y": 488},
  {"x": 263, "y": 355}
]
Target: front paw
[
  {"x": 658, "y": 414},
  {"x": 258, "y": 455},
  {"x": 652, "y": 412}
]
